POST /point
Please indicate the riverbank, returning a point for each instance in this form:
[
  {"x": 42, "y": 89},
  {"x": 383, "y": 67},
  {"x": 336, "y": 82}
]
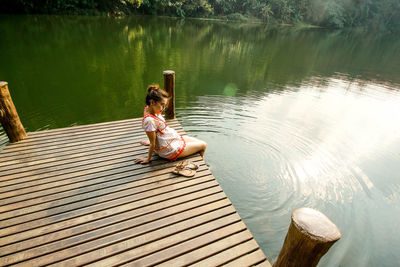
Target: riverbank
[{"x": 382, "y": 16}]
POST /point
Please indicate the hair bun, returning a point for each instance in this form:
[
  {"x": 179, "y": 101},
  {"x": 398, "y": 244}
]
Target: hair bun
[
  {"x": 153, "y": 87},
  {"x": 155, "y": 93}
]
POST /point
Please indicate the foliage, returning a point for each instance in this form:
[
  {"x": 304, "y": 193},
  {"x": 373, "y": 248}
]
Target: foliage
[
  {"x": 236, "y": 16},
  {"x": 382, "y": 14}
]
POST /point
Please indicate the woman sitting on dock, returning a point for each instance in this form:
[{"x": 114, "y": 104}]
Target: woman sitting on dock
[{"x": 163, "y": 140}]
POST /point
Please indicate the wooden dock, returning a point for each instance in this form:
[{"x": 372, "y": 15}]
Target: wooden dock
[{"x": 73, "y": 196}]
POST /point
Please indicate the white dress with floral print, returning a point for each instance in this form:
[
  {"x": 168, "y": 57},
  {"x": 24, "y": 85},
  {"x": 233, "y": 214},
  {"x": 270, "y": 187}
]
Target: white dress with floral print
[{"x": 169, "y": 144}]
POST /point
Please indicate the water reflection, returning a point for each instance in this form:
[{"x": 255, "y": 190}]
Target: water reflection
[
  {"x": 316, "y": 146},
  {"x": 293, "y": 117}
]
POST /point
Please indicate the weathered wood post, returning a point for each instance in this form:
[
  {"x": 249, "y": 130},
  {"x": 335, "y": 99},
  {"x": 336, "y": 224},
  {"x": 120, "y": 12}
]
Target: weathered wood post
[
  {"x": 309, "y": 237},
  {"x": 169, "y": 86},
  {"x": 9, "y": 116}
]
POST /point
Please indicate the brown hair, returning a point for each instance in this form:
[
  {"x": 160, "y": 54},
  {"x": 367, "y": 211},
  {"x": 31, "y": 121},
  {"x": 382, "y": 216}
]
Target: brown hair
[{"x": 155, "y": 93}]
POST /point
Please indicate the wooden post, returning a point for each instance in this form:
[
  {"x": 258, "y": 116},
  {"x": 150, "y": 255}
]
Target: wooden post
[
  {"x": 309, "y": 237},
  {"x": 169, "y": 86},
  {"x": 9, "y": 116}
]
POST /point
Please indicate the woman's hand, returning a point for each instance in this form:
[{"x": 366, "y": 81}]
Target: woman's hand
[
  {"x": 152, "y": 140},
  {"x": 142, "y": 160}
]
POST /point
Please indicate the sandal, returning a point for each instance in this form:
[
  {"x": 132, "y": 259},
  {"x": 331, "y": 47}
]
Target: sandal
[
  {"x": 182, "y": 170},
  {"x": 188, "y": 164}
]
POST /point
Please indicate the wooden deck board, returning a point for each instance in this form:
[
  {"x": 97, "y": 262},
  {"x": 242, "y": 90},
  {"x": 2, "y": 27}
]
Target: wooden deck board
[
  {"x": 250, "y": 259},
  {"x": 81, "y": 137},
  {"x": 74, "y": 196},
  {"x": 229, "y": 253},
  {"x": 54, "y": 156},
  {"x": 199, "y": 248},
  {"x": 33, "y": 149},
  {"x": 92, "y": 198}
]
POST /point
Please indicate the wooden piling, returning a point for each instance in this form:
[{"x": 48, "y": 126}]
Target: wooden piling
[
  {"x": 9, "y": 117},
  {"x": 169, "y": 86},
  {"x": 309, "y": 237}
]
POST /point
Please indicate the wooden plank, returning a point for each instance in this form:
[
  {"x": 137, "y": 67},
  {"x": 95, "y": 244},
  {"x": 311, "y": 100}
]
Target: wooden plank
[
  {"x": 80, "y": 181},
  {"x": 72, "y": 147},
  {"x": 263, "y": 264},
  {"x": 231, "y": 223},
  {"x": 65, "y": 188},
  {"x": 21, "y": 157},
  {"x": 90, "y": 128},
  {"x": 68, "y": 137},
  {"x": 228, "y": 254},
  {"x": 85, "y": 127},
  {"x": 93, "y": 197},
  {"x": 72, "y": 157},
  {"x": 163, "y": 194},
  {"x": 72, "y": 167},
  {"x": 193, "y": 250},
  {"x": 68, "y": 147},
  {"x": 80, "y": 175},
  {"x": 75, "y": 142},
  {"x": 52, "y": 223},
  {"x": 250, "y": 259},
  {"x": 144, "y": 219},
  {"x": 12, "y": 150},
  {"x": 79, "y": 231},
  {"x": 54, "y": 144},
  {"x": 31, "y": 184},
  {"x": 54, "y": 157},
  {"x": 127, "y": 240},
  {"x": 70, "y": 132},
  {"x": 17, "y": 161},
  {"x": 43, "y": 182},
  {"x": 56, "y": 133},
  {"x": 73, "y": 171},
  {"x": 23, "y": 154},
  {"x": 28, "y": 156}
]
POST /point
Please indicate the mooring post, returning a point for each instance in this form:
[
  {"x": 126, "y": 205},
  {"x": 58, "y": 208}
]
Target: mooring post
[
  {"x": 169, "y": 86},
  {"x": 9, "y": 117},
  {"x": 309, "y": 237}
]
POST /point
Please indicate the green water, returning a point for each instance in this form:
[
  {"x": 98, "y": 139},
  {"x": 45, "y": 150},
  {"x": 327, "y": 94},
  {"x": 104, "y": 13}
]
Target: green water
[{"x": 293, "y": 117}]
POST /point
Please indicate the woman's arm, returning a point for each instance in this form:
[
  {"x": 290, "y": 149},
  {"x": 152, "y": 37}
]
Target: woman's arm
[{"x": 152, "y": 138}]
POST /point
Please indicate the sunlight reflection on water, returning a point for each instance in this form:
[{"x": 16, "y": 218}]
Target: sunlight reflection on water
[{"x": 309, "y": 146}]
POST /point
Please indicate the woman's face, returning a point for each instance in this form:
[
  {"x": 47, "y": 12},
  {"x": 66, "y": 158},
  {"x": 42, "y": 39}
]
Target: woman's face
[{"x": 159, "y": 106}]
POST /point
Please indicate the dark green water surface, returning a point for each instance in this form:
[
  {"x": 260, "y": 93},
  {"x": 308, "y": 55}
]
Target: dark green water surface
[{"x": 293, "y": 117}]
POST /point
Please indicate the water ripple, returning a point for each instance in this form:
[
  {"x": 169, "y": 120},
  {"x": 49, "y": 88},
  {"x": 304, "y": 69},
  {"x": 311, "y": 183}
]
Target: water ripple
[{"x": 312, "y": 146}]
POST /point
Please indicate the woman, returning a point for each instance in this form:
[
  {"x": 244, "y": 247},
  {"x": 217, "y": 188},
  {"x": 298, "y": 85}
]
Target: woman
[{"x": 163, "y": 140}]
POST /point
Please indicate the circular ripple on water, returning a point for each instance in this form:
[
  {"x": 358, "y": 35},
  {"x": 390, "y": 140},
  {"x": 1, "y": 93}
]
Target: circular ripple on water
[{"x": 274, "y": 152}]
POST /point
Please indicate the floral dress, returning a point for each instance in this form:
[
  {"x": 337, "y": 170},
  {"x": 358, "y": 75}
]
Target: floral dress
[{"x": 169, "y": 144}]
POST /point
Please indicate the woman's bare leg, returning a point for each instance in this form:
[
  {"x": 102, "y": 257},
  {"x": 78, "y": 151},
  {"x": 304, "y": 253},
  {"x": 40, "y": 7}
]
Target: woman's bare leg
[{"x": 193, "y": 145}]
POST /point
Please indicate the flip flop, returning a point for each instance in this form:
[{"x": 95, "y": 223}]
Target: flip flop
[
  {"x": 188, "y": 164},
  {"x": 181, "y": 170}
]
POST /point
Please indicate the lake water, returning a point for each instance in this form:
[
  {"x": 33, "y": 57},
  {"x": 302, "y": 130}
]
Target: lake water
[{"x": 293, "y": 117}]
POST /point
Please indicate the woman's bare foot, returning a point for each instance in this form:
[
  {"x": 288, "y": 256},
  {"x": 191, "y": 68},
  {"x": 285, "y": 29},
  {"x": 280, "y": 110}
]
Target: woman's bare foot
[{"x": 145, "y": 142}]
